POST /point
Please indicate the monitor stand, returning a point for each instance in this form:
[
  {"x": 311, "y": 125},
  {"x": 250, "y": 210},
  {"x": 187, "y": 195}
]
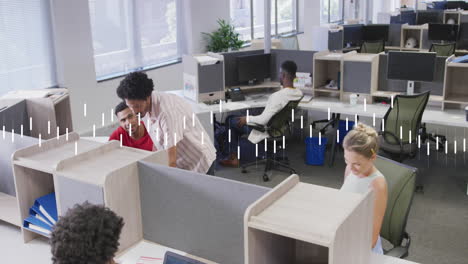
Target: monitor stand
[{"x": 410, "y": 88}]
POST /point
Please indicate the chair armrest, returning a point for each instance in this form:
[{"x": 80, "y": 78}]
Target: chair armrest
[
  {"x": 384, "y": 133},
  {"x": 397, "y": 252},
  {"x": 258, "y": 127}
]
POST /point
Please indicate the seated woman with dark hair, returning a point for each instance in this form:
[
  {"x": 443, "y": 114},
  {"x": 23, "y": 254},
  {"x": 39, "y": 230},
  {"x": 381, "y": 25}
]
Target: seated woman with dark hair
[{"x": 86, "y": 234}]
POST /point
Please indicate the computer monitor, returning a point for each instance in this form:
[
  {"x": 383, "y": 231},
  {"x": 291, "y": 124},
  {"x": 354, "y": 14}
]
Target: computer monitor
[
  {"x": 174, "y": 258},
  {"x": 253, "y": 68},
  {"x": 408, "y": 17},
  {"x": 445, "y": 32},
  {"x": 411, "y": 66},
  {"x": 428, "y": 16},
  {"x": 455, "y": 5},
  {"x": 352, "y": 35},
  {"x": 375, "y": 32}
]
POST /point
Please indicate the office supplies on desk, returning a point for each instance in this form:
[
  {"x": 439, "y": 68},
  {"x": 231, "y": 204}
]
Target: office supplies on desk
[
  {"x": 48, "y": 207},
  {"x": 236, "y": 94},
  {"x": 462, "y": 59},
  {"x": 174, "y": 258}
]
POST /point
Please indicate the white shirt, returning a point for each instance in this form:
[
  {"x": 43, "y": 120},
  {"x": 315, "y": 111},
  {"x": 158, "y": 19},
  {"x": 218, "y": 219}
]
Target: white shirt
[
  {"x": 171, "y": 122},
  {"x": 276, "y": 102}
]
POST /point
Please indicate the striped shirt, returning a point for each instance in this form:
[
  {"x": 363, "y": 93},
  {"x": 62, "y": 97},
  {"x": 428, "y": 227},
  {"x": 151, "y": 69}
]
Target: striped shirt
[{"x": 171, "y": 122}]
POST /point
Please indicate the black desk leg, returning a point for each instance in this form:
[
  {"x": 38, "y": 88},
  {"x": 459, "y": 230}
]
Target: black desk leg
[{"x": 334, "y": 149}]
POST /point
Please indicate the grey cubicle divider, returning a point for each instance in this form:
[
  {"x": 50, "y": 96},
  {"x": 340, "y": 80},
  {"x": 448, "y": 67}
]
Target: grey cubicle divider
[
  {"x": 77, "y": 192},
  {"x": 230, "y": 65},
  {"x": 7, "y": 148},
  {"x": 356, "y": 77},
  {"x": 303, "y": 58},
  {"x": 13, "y": 114},
  {"x": 436, "y": 87},
  {"x": 196, "y": 213},
  {"x": 394, "y": 35},
  {"x": 335, "y": 40}
]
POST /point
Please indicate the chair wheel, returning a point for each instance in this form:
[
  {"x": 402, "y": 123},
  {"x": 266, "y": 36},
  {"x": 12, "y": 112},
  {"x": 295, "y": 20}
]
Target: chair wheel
[
  {"x": 265, "y": 178},
  {"x": 244, "y": 170},
  {"x": 292, "y": 172}
]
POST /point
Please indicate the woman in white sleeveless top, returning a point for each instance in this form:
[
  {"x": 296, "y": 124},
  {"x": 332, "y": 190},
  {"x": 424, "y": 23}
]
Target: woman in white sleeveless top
[{"x": 360, "y": 151}]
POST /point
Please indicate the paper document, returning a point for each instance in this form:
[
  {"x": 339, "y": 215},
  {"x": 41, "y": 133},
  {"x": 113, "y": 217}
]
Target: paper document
[{"x": 206, "y": 60}]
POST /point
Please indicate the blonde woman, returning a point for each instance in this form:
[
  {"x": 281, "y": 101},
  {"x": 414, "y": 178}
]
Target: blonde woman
[{"x": 360, "y": 151}]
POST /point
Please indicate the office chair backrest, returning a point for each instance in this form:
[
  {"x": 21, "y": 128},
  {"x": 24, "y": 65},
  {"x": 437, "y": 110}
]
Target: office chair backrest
[
  {"x": 373, "y": 46},
  {"x": 406, "y": 113},
  {"x": 401, "y": 183},
  {"x": 279, "y": 123},
  {"x": 443, "y": 49},
  {"x": 290, "y": 43}
]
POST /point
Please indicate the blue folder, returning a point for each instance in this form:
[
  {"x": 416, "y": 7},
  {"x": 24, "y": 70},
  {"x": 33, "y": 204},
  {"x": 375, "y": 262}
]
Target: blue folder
[
  {"x": 48, "y": 207},
  {"x": 35, "y": 212},
  {"x": 33, "y": 224},
  {"x": 462, "y": 59}
]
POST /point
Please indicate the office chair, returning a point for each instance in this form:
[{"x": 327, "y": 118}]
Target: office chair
[
  {"x": 373, "y": 46},
  {"x": 278, "y": 126},
  {"x": 405, "y": 116},
  {"x": 401, "y": 181},
  {"x": 290, "y": 42},
  {"x": 443, "y": 49}
]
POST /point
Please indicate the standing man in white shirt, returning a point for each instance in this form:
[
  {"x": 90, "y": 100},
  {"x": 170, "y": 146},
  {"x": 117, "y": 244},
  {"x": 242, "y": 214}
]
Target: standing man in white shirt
[
  {"x": 171, "y": 124},
  {"x": 276, "y": 102}
]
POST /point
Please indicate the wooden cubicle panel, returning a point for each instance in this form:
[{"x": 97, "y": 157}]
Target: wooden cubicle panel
[
  {"x": 109, "y": 172},
  {"x": 34, "y": 166},
  {"x": 311, "y": 218}
]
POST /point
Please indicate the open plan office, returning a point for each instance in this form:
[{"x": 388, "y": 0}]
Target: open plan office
[{"x": 234, "y": 131}]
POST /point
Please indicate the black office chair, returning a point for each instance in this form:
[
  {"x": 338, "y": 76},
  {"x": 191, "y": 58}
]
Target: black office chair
[
  {"x": 405, "y": 116},
  {"x": 278, "y": 126},
  {"x": 373, "y": 46},
  {"x": 401, "y": 181},
  {"x": 443, "y": 49}
]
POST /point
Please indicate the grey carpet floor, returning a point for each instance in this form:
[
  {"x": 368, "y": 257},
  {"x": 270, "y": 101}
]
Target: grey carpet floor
[{"x": 438, "y": 219}]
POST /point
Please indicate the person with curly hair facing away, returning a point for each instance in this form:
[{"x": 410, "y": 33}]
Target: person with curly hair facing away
[
  {"x": 360, "y": 152},
  {"x": 86, "y": 234},
  {"x": 171, "y": 124}
]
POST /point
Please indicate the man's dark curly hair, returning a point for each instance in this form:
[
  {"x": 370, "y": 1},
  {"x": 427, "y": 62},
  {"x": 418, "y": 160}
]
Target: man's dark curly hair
[
  {"x": 120, "y": 107},
  {"x": 86, "y": 234},
  {"x": 135, "y": 86}
]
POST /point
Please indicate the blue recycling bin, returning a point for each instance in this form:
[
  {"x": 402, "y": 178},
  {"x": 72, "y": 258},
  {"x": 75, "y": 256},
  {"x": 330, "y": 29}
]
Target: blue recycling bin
[
  {"x": 342, "y": 129},
  {"x": 315, "y": 150}
]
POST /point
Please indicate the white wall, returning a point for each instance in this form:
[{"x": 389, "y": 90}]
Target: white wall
[{"x": 75, "y": 62}]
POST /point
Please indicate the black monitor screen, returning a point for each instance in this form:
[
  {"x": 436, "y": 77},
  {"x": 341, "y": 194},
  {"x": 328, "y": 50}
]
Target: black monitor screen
[
  {"x": 352, "y": 35},
  {"x": 455, "y": 5},
  {"x": 443, "y": 32},
  {"x": 463, "y": 33},
  {"x": 408, "y": 17},
  {"x": 253, "y": 67},
  {"x": 426, "y": 17},
  {"x": 375, "y": 32},
  {"x": 411, "y": 66}
]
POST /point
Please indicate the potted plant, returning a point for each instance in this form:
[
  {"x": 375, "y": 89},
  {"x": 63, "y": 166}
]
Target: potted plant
[{"x": 224, "y": 39}]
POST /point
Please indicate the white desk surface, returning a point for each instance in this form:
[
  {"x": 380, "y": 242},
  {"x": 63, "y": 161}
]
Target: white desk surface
[
  {"x": 432, "y": 115},
  {"x": 151, "y": 251},
  {"x": 382, "y": 259}
]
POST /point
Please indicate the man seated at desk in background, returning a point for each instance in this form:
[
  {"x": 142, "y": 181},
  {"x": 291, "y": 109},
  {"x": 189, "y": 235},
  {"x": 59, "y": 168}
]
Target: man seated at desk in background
[
  {"x": 276, "y": 102},
  {"x": 171, "y": 124},
  {"x": 134, "y": 135}
]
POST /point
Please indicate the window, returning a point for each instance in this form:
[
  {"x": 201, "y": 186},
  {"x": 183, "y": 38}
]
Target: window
[
  {"x": 341, "y": 11},
  {"x": 26, "y": 57},
  {"x": 283, "y": 17},
  {"x": 132, "y": 34}
]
